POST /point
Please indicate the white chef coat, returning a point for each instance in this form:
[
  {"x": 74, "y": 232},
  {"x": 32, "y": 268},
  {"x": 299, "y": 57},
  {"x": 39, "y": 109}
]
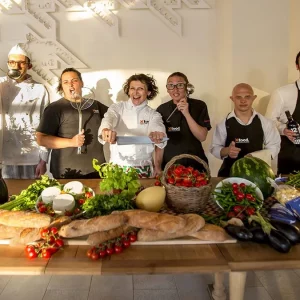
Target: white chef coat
[
  {"x": 282, "y": 99},
  {"x": 271, "y": 136},
  {"x": 22, "y": 106},
  {"x": 130, "y": 120}
]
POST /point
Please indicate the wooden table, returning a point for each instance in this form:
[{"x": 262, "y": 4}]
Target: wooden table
[{"x": 215, "y": 258}]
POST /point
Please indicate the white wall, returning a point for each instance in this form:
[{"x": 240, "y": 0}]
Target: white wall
[{"x": 227, "y": 42}]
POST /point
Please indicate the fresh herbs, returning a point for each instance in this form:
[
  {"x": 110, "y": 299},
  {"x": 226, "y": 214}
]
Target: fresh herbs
[
  {"x": 115, "y": 178},
  {"x": 106, "y": 204},
  {"x": 27, "y": 198}
]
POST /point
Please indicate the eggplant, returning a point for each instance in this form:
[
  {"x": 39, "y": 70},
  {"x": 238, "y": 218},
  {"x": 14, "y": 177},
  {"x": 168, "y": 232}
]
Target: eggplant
[
  {"x": 278, "y": 241},
  {"x": 292, "y": 233},
  {"x": 239, "y": 232},
  {"x": 259, "y": 236}
]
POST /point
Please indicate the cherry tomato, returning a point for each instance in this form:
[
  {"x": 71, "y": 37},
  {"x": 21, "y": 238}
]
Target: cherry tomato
[
  {"x": 102, "y": 253},
  {"x": 54, "y": 230},
  {"x": 81, "y": 201},
  {"x": 51, "y": 240},
  {"x": 242, "y": 185},
  {"x": 77, "y": 211},
  {"x": 171, "y": 180},
  {"x": 238, "y": 208},
  {"x": 126, "y": 243},
  {"x": 196, "y": 173},
  {"x": 59, "y": 243},
  {"x": 88, "y": 194},
  {"x": 40, "y": 203},
  {"x": 46, "y": 253},
  {"x": 124, "y": 236},
  {"x": 157, "y": 183},
  {"x": 132, "y": 237},
  {"x": 118, "y": 249},
  {"x": 90, "y": 252},
  {"x": 190, "y": 169},
  {"x": 53, "y": 250},
  {"x": 230, "y": 215},
  {"x": 109, "y": 251},
  {"x": 68, "y": 213},
  {"x": 235, "y": 192},
  {"x": 42, "y": 209},
  {"x": 235, "y": 186},
  {"x": 44, "y": 233},
  {"x": 197, "y": 184},
  {"x": 250, "y": 211},
  {"x": 29, "y": 248},
  {"x": 31, "y": 255},
  {"x": 240, "y": 196},
  {"x": 178, "y": 170},
  {"x": 95, "y": 256}
]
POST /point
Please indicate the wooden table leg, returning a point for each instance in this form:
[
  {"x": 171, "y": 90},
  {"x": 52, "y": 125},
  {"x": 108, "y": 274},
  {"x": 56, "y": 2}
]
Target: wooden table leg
[
  {"x": 218, "y": 292},
  {"x": 237, "y": 282}
]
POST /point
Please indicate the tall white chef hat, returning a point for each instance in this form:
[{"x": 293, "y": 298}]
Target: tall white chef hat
[{"x": 17, "y": 49}]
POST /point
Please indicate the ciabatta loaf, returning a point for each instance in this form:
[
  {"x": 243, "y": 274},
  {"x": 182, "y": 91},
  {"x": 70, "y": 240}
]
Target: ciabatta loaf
[
  {"x": 193, "y": 224},
  {"x": 24, "y": 219},
  {"x": 155, "y": 221},
  {"x": 211, "y": 232},
  {"x": 84, "y": 227}
]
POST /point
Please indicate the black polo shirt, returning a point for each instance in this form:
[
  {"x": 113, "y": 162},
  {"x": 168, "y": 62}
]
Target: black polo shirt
[{"x": 181, "y": 140}]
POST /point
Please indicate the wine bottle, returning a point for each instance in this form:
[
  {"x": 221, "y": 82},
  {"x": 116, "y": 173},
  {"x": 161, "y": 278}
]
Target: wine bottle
[
  {"x": 293, "y": 126},
  {"x": 3, "y": 189}
]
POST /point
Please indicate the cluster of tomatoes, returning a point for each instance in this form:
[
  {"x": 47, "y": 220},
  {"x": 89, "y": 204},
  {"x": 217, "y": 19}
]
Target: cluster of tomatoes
[
  {"x": 51, "y": 244},
  {"x": 239, "y": 200},
  {"x": 180, "y": 175},
  {"x": 112, "y": 246},
  {"x": 45, "y": 208}
]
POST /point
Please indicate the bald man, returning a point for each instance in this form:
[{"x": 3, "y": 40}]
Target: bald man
[{"x": 243, "y": 131}]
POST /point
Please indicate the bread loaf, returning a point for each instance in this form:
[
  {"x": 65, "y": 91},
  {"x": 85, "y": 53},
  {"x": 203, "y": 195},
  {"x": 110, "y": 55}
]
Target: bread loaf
[
  {"x": 24, "y": 219},
  {"x": 8, "y": 232},
  {"x": 60, "y": 221},
  {"x": 155, "y": 221},
  {"x": 211, "y": 232},
  {"x": 193, "y": 224},
  {"x": 103, "y": 236},
  {"x": 84, "y": 227},
  {"x": 28, "y": 235}
]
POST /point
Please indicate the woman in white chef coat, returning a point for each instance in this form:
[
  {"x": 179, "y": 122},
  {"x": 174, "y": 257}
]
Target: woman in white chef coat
[{"x": 134, "y": 118}]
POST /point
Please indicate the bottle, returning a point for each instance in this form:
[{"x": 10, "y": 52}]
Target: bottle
[
  {"x": 3, "y": 189},
  {"x": 293, "y": 126}
]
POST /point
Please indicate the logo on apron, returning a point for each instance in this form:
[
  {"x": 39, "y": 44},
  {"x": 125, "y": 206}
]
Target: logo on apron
[
  {"x": 173, "y": 129},
  {"x": 242, "y": 141},
  {"x": 144, "y": 122}
]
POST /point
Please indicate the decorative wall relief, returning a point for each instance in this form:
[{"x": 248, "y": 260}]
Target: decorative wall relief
[{"x": 42, "y": 41}]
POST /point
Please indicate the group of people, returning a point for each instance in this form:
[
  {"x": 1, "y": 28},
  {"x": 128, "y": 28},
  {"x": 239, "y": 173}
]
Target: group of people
[{"x": 33, "y": 127}]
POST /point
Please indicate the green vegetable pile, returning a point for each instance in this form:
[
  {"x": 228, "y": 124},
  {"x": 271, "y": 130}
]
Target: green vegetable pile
[
  {"x": 238, "y": 200},
  {"x": 106, "y": 204},
  {"x": 26, "y": 200},
  {"x": 115, "y": 178},
  {"x": 294, "y": 180}
]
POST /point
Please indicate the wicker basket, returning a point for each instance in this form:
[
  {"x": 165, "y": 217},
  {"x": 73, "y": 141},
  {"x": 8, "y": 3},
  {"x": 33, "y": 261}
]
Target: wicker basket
[{"x": 186, "y": 199}]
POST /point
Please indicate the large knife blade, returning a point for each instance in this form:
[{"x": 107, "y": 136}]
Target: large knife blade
[{"x": 135, "y": 140}]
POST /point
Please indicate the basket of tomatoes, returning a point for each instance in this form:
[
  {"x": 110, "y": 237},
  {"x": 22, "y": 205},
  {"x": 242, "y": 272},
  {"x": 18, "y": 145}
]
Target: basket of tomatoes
[{"x": 187, "y": 189}]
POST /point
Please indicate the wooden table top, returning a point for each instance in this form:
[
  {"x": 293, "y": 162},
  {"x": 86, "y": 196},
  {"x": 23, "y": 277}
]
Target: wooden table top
[{"x": 147, "y": 259}]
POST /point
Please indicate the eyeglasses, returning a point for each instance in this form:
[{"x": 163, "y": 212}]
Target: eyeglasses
[
  {"x": 13, "y": 63},
  {"x": 171, "y": 86}
]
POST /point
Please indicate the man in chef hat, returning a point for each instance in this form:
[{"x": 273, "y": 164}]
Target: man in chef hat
[{"x": 23, "y": 101}]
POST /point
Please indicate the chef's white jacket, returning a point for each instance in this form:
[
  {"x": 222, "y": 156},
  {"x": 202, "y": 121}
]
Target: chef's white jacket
[
  {"x": 282, "y": 99},
  {"x": 22, "y": 105},
  {"x": 130, "y": 120}
]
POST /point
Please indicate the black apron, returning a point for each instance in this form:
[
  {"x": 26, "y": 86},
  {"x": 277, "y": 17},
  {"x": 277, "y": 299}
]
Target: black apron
[
  {"x": 249, "y": 138},
  {"x": 289, "y": 155},
  {"x": 181, "y": 141}
]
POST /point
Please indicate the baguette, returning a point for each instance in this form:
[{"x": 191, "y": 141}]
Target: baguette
[
  {"x": 103, "y": 236},
  {"x": 60, "y": 221},
  {"x": 193, "y": 224},
  {"x": 155, "y": 221},
  {"x": 84, "y": 227},
  {"x": 8, "y": 232},
  {"x": 24, "y": 219},
  {"x": 28, "y": 235},
  {"x": 211, "y": 232}
]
